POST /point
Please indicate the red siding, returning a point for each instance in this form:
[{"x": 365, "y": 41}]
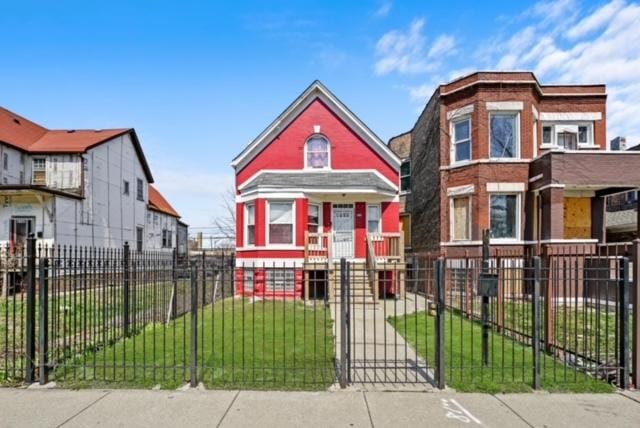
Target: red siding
[
  {"x": 302, "y": 207},
  {"x": 239, "y": 224},
  {"x": 326, "y": 217},
  {"x": 261, "y": 221},
  {"x": 348, "y": 151},
  {"x": 267, "y": 254},
  {"x": 361, "y": 230},
  {"x": 390, "y": 217}
]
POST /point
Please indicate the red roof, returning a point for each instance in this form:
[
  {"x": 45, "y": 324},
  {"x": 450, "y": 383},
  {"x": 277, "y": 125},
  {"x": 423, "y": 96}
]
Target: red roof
[
  {"x": 159, "y": 203},
  {"x": 28, "y": 136}
]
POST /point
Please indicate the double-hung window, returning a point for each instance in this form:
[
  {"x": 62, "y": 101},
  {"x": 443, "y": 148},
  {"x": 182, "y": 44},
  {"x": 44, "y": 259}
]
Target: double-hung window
[
  {"x": 139, "y": 189},
  {"x": 505, "y": 138},
  {"x": 39, "y": 175},
  {"x": 251, "y": 224},
  {"x": 373, "y": 219},
  {"x": 462, "y": 140},
  {"x": 504, "y": 216},
  {"x": 405, "y": 175},
  {"x": 281, "y": 223},
  {"x": 313, "y": 219}
]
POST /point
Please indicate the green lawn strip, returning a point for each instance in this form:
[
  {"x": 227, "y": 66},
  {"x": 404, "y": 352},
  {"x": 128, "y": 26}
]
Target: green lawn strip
[
  {"x": 80, "y": 320},
  {"x": 260, "y": 345},
  {"x": 511, "y": 363}
]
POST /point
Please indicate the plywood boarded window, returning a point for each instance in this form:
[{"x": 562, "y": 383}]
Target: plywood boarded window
[
  {"x": 461, "y": 218},
  {"x": 405, "y": 219},
  {"x": 577, "y": 218}
]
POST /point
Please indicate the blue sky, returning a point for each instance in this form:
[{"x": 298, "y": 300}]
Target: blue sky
[{"x": 199, "y": 80}]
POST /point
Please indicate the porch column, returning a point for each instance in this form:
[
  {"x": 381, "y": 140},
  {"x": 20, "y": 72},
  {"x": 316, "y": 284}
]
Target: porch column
[
  {"x": 598, "y": 219},
  {"x": 552, "y": 213}
]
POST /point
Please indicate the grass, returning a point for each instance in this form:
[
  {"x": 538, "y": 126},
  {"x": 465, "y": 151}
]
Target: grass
[
  {"x": 511, "y": 363},
  {"x": 242, "y": 344},
  {"x": 80, "y": 320}
]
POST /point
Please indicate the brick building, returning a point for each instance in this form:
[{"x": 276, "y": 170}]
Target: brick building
[{"x": 500, "y": 151}]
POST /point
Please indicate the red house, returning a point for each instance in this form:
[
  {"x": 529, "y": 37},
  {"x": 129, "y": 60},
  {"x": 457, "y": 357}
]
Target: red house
[{"x": 315, "y": 186}]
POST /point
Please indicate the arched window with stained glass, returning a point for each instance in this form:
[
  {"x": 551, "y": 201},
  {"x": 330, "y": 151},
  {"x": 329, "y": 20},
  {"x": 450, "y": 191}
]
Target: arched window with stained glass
[{"x": 317, "y": 152}]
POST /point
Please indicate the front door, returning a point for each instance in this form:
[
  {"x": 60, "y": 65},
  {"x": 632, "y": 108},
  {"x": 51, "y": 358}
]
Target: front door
[{"x": 343, "y": 228}]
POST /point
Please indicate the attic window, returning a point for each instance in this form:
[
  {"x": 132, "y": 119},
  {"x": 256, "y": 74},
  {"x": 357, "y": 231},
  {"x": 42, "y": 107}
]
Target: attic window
[{"x": 317, "y": 152}]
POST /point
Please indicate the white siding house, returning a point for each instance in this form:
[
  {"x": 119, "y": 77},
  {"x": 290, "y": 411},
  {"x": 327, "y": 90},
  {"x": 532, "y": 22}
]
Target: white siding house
[{"x": 88, "y": 188}]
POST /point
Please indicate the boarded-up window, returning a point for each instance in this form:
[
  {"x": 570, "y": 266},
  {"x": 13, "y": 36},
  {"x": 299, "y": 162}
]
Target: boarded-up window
[
  {"x": 577, "y": 218},
  {"x": 405, "y": 219},
  {"x": 461, "y": 219}
]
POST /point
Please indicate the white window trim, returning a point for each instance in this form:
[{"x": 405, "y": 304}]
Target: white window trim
[
  {"x": 293, "y": 221},
  {"x": 452, "y": 133},
  {"x": 518, "y": 237},
  {"x": 379, "y": 206},
  {"x": 320, "y": 216},
  {"x": 554, "y": 135},
  {"x": 517, "y": 143},
  {"x": 246, "y": 225},
  {"x": 404, "y": 192},
  {"x": 452, "y": 217},
  {"x": 306, "y": 143}
]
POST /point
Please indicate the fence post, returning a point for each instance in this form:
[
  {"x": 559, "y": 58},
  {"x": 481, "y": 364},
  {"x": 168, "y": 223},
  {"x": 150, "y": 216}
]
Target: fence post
[
  {"x": 484, "y": 309},
  {"x": 44, "y": 319},
  {"x": 344, "y": 323},
  {"x": 623, "y": 378},
  {"x": 126, "y": 279},
  {"x": 537, "y": 322},
  {"x": 194, "y": 324},
  {"x": 174, "y": 285},
  {"x": 635, "y": 304},
  {"x": 440, "y": 288},
  {"x": 31, "y": 310}
]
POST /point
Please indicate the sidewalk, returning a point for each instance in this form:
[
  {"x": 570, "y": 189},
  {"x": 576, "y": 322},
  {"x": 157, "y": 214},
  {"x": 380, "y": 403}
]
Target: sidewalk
[{"x": 85, "y": 408}]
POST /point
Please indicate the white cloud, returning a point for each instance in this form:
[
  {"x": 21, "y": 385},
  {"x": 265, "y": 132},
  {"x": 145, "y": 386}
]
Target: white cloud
[
  {"x": 402, "y": 51},
  {"x": 383, "y": 10},
  {"x": 596, "y": 20},
  {"x": 405, "y": 52},
  {"x": 560, "y": 41},
  {"x": 444, "y": 45}
]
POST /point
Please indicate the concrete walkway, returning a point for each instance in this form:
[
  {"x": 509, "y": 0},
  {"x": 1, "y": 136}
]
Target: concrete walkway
[
  {"x": 124, "y": 408},
  {"x": 381, "y": 358}
]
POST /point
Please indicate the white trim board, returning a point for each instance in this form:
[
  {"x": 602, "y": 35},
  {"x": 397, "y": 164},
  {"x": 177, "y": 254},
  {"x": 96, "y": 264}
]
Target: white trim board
[
  {"x": 315, "y": 91},
  {"x": 570, "y": 116}
]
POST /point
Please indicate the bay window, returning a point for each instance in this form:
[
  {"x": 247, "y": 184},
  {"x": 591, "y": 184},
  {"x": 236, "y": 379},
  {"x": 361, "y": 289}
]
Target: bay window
[
  {"x": 462, "y": 140},
  {"x": 504, "y": 216},
  {"x": 280, "y": 223},
  {"x": 251, "y": 224},
  {"x": 505, "y": 139}
]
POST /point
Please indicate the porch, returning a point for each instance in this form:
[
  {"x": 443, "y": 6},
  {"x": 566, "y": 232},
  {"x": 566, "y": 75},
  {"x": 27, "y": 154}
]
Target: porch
[{"x": 381, "y": 274}]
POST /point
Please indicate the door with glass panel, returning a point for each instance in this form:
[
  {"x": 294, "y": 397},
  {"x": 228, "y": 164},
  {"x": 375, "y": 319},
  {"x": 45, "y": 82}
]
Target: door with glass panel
[{"x": 343, "y": 228}]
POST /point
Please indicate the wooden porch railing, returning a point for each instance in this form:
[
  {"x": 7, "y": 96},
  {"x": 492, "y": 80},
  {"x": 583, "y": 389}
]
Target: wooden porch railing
[
  {"x": 317, "y": 247},
  {"x": 386, "y": 247}
]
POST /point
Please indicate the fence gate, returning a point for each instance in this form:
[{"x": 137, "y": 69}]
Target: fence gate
[{"x": 384, "y": 339}]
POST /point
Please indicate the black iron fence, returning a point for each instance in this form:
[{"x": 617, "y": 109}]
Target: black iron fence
[{"x": 504, "y": 321}]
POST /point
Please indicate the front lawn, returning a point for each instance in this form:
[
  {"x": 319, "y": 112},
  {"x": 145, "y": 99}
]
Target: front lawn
[
  {"x": 511, "y": 363},
  {"x": 242, "y": 343}
]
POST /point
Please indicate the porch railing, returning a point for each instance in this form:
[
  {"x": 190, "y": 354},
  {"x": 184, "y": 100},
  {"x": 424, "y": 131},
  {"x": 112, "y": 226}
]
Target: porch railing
[
  {"x": 386, "y": 247},
  {"x": 317, "y": 247}
]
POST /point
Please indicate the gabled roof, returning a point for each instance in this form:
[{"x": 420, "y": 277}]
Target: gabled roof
[
  {"x": 27, "y": 136},
  {"x": 315, "y": 91},
  {"x": 157, "y": 202}
]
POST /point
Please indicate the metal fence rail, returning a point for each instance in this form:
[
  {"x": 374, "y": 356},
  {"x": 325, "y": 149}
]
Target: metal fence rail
[{"x": 88, "y": 316}]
